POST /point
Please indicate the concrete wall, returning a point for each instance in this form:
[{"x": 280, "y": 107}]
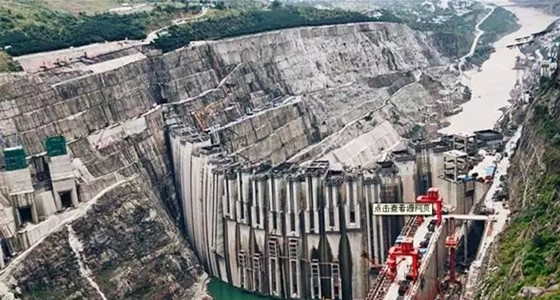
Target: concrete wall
[
  {"x": 433, "y": 266},
  {"x": 299, "y": 224}
]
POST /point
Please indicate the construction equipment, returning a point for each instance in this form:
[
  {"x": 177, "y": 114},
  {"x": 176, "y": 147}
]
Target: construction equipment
[
  {"x": 432, "y": 197},
  {"x": 406, "y": 248},
  {"x": 451, "y": 244}
]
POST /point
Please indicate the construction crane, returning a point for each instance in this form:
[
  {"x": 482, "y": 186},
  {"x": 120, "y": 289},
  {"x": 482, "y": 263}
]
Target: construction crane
[
  {"x": 405, "y": 248},
  {"x": 432, "y": 197},
  {"x": 383, "y": 281},
  {"x": 451, "y": 244}
]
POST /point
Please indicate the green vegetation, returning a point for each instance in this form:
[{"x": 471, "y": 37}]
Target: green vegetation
[
  {"x": 77, "y": 6},
  {"x": 7, "y": 64},
  {"x": 28, "y": 29},
  {"x": 416, "y": 131},
  {"x": 531, "y": 243},
  {"x": 453, "y": 34},
  {"x": 256, "y": 21},
  {"x": 500, "y": 23},
  {"x": 529, "y": 249}
]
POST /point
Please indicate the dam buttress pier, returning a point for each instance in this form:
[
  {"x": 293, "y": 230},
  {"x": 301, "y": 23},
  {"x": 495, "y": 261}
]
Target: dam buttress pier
[
  {"x": 286, "y": 231},
  {"x": 306, "y": 231}
]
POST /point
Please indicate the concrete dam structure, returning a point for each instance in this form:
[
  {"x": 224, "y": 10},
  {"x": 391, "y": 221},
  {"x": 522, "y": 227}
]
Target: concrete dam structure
[
  {"x": 305, "y": 231},
  {"x": 267, "y": 151},
  {"x": 286, "y": 231}
]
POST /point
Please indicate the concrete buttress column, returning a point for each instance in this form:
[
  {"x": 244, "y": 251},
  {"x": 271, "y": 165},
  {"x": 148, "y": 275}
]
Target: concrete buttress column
[
  {"x": 34, "y": 213},
  {"x": 2, "y": 265},
  {"x": 74, "y": 196},
  {"x": 376, "y": 235},
  {"x": 57, "y": 201}
]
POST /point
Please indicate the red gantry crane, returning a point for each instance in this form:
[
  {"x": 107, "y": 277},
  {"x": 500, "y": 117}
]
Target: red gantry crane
[
  {"x": 405, "y": 248},
  {"x": 432, "y": 197}
]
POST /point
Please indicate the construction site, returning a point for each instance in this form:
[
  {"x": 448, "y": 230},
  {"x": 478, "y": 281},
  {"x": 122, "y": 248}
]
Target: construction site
[
  {"x": 395, "y": 229},
  {"x": 399, "y": 228},
  {"x": 295, "y": 173}
]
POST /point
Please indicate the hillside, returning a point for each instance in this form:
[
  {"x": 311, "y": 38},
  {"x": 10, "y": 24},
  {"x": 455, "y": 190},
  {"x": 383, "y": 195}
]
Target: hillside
[
  {"x": 296, "y": 94},
  {"x": 7, "y": 64},
  {"x": 255, "y": 21},
  {"x": 526, "y": 264},
  {"x": 30, "y": 28},
  {"x": 500, "y": 23}
]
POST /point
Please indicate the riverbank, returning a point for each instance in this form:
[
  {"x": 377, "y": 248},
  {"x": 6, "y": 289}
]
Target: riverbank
[
  {"x": 491, "y": 86},
  {"x": 500, "y": 23},
  {"x": 477, "y": 282}
]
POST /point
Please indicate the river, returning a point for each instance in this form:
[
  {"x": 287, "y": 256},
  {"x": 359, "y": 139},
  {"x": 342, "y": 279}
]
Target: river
[
  {"x": 222, "y": 291},
  {"x": 491, "y": 86}
]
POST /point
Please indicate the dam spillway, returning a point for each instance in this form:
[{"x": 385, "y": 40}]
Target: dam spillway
[
  {"x": 285, "y": 231},
  {"x": 299, "y": 231}
]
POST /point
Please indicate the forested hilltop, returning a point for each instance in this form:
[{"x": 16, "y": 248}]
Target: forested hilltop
[
  {"x": 255, "y": 21},
  {"x": 500, "y": 23},
  {"x": 28, "y": 28},
  {"x": 31, "y": 28}
]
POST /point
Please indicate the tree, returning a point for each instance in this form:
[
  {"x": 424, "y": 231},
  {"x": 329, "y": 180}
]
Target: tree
[
  {"x": 276, "y": 4},
  {"x": 221, "y": 5}
]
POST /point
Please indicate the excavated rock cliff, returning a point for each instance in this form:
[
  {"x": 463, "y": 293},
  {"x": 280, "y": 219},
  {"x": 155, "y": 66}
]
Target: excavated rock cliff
[
  {"x": 342, "y": 72},
  {"x": 101, "y": 256},
  {"x": 293, "y": 94}
]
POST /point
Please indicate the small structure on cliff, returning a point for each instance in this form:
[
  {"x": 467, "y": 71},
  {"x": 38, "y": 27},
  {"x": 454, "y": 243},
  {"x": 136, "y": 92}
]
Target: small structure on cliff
[{"x": 34, "y": 192}]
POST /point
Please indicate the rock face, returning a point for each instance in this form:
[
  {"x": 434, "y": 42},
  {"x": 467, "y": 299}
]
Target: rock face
[
  {"x": 296, "y": 94},
  {"x": 149, "y": 260},
  {"x": 342, "y": 72},
  {"x": 522, "y": 261}
]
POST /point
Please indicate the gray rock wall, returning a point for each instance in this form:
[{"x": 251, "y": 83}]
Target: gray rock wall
[
  {"x": 149, "y": 260},
  {"x": 215, "y": 83}
]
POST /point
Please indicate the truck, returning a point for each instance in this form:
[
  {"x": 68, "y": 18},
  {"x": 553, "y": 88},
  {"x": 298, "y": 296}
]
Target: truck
[
  {"x": 432, "y": 225},
  {"x": 403, "y": 287},
  {"x": 487, "y": 211}
]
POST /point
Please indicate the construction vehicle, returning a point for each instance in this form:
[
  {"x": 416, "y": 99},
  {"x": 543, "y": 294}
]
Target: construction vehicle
[
  {"x": 403, "y": 287},
  {"x": 432, "y": 226},
  {"x": 406, "y": 248},
  {"x": 487, "y": 211}
]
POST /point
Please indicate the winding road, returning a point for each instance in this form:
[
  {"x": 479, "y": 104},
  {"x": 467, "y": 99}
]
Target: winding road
[
  {"x": 479, "y": 33},
  {"x": 154, "y": 34}
]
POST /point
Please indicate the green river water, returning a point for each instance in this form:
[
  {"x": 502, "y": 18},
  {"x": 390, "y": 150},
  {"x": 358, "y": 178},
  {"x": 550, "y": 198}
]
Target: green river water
[{"x": 222, "y": 291}]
